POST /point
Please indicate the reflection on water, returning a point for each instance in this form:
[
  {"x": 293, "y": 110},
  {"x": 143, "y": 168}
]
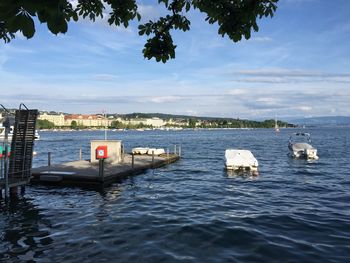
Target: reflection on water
[
  {"x": 25, "y": 232},
  {"x": 247, "y": 174}
]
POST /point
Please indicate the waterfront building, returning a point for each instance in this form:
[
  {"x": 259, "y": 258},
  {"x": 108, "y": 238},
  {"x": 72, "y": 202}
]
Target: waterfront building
[
  {"x": 154, "y": 122},
  {"x": 87, "y": 120},
  {"x": 177, "y": 122},
  {"x": 58, "y": 119},
  {"x": 137, "y": 121}
]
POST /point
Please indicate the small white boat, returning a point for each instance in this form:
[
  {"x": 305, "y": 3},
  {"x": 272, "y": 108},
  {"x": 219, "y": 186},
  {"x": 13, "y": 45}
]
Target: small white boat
[
  {"x": 300, "y": 146},
  {"x": 277, "y": 129},
  {"x": 36, "y": 136},
  {"x": 10, "y": 135},
  {"x": 240, "y": 160}
]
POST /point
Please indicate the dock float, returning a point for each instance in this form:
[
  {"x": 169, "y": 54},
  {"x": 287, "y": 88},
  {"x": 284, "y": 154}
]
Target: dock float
[{"x": 86, "y": 174}]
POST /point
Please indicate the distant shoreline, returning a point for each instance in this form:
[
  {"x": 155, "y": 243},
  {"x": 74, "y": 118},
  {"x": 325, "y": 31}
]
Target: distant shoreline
[{"x": 158, "y": 129}]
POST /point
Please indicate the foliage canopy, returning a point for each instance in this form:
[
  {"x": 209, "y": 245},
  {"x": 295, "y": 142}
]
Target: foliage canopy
[
  {"x": 44, "y": 124},
  {"x": 235, "y": 18}
]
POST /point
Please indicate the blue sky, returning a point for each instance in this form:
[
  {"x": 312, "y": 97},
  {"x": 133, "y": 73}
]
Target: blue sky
[{"x": 297, "y": 65}]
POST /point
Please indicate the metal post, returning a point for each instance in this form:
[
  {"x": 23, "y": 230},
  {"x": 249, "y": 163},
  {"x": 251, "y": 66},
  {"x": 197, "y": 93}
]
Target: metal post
[
  {"x": 23, "y": 190},
  {"x": 122, "y": 150},
  {"x": 2, "y": 175},
  {"x": 152, "y": 159},
  {"x": 132, "y": 160},
  {"x": 175, "y": 149},
  {"x": 80, "y": 154},
  {"x": 105, "y": 126},
  {"x": 179, "y": 151},
  {"x": 49, "y": 159},
  {"x": 13, "y": 191},
  {"x": 6, "y": 170},
  {"x": 101, "y": 168}
]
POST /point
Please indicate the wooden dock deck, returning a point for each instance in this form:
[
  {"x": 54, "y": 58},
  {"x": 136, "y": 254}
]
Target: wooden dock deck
[{"x": 84, "y": 173}]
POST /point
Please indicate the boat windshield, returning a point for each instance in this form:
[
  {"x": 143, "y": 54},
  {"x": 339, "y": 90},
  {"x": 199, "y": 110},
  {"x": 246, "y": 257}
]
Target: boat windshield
[{"x": 300, "y": 137}]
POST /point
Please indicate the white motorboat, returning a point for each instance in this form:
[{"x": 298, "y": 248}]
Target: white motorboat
[
  {"x": 2, "y": 133},
  {"x": 36, "y": 136},
  {"x": 240, "y": 160},
  {"x": 10, "y": 134},
  {"x": 300, "y": 146}
]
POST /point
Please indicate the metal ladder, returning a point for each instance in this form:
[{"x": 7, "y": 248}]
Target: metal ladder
[{"x": 22, "y": 145}]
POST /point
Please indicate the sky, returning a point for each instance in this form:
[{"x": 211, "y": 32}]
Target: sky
[{"x": 297, "y": 65}]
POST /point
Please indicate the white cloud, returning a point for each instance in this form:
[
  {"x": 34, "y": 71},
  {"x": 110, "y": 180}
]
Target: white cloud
[
  {"x": 104, "y": 77},
  {"x": 281, "y": 75},
  {"x": 299, "y": 1},
  {"x": 260, "y": 39},
  {"x": 164, "y": 99},
  {"x": 267, "y": 100},
  {"x": 305, "y": 108},
  {"x": 237, "y": 92},
  {"x": 3, "y": 59},
  {"x": 261, "y": 80},
  {"x": 148, "y": 12},
  {"x": 74, "y": 3}
]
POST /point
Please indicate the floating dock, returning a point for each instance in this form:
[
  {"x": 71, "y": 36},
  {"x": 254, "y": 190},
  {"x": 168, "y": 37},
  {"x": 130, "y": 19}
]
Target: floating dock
[{"x": 86, "y": 174}]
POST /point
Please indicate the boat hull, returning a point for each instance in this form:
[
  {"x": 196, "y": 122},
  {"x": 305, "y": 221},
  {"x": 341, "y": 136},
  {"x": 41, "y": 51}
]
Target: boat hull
[{"x": 303, "y": 151}]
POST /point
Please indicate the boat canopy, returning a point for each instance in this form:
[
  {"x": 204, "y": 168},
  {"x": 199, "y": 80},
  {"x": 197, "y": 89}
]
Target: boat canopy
[{"x": 301, "y": 134}]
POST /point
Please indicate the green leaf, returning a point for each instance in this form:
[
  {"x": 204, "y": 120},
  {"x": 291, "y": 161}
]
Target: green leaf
[
  {"x": 63, "y": 26},
  {"x": 75, "y": 17},
  {"x": 14, "y": 24},
  {"x": 247, "y": 34},
  {"x": 188, "y": 6},
  {"x": 27, "y": 26}
]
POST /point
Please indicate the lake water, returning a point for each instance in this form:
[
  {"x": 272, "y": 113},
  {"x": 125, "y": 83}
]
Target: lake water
[{"x": 192, "y": 210}]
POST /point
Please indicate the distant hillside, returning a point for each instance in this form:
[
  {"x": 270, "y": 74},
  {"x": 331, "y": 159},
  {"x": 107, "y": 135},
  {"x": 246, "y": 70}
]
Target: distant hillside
[
  {"x": 324, "y": 121},
  {"x": 218, "y": 122},
  {"x": 165, "y": 116}
]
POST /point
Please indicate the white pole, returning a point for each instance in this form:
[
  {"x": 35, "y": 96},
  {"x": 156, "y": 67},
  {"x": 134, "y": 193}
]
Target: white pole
[{"x": 105, "y": 126}]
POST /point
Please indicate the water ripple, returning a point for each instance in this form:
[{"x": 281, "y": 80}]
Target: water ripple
[{"x": 193, "y": 210}]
